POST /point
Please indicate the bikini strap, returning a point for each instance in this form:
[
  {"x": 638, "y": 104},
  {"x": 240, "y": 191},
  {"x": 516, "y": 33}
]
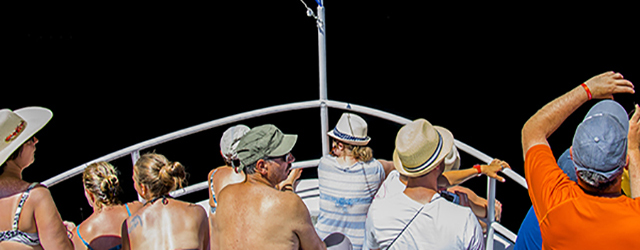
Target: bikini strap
[
  {"x": 127, "y": 206},
  {"x": 163, "y": 197},
  {"x": 213, "y": 194},
  {"x": 23, "y": 198},
  {"x": 80, "y": 236}
]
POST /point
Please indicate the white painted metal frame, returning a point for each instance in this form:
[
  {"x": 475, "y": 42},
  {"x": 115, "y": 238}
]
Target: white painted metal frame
[
  {"x": 134, "y": 150},
  {"x": 323, "y": 103}
]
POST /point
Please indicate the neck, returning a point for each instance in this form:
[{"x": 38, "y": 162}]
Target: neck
[
  {"x": 12, "y": 170},
  {"x": 422, "y": 189},
  {"x": 610, "y": 192},
  {"x": 346, "y": 159},
  {"x": 259, "y": 179}
]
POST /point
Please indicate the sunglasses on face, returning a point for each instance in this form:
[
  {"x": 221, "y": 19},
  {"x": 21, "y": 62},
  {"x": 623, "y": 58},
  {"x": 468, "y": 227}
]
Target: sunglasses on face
[{"x": 288, "y": 158}]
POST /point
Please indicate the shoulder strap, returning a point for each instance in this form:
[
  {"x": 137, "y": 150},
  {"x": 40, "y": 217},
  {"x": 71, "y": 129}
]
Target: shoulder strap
[
  {"x": 23, "y": 198},
  {"x": 128, "y": 211},
  {"x": 79, "y": 236},
  {"x": 409, "y": 223},
  {"x": 213, "y": 194}
]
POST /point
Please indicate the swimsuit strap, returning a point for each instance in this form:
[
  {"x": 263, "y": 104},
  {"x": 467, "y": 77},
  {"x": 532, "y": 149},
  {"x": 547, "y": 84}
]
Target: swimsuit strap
[
  {"x": 128, "y": 211},
  {"x": 80, "y": 236},
  {"x": 25, "y": 194},
  {"x": 163, "y": 197},
  {"x": 213, "y": 194}
]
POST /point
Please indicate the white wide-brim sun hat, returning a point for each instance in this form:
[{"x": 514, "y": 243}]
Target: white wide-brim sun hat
[{"x": 18, "y": 126}]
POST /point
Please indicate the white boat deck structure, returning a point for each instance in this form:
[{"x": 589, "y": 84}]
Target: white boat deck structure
[{"x": 498, "y": 237}]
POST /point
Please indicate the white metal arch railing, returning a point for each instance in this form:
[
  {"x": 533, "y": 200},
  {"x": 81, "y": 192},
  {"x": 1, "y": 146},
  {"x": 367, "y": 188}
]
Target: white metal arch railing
[{"x": 134, "y": 151}]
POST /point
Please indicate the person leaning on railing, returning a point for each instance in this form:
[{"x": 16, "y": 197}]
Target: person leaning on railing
[
  {"x": 163, "y": 222},
  {"x": 449, "y": 185},
  {"x": 102, "y": 229},
  {"x": 30, "y": 219}
]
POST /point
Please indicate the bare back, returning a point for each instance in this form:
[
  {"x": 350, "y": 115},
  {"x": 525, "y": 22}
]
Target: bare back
[
  {"x": 167, "y": 224},
  {"x": 103, "y": 228},
  {"x": 38, "y": 207},
  {"x": 256, "y": 216}
]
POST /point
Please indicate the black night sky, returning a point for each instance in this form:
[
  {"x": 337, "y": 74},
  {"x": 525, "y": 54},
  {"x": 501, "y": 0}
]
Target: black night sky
[{"x": 116, "y": 75}]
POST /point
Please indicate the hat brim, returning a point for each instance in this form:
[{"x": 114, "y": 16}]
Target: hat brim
[
  {"x": 447, "y": 143},
  {"x": 36, "y": 118},
  {"x": 285, "y": 146},
  {"x": 352, "y": 142}
]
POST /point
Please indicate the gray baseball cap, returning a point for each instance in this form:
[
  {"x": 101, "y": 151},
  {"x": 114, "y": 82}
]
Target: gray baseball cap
[
  {"x": 264, "y": 141},
  {"x": 600, "y": 141}
]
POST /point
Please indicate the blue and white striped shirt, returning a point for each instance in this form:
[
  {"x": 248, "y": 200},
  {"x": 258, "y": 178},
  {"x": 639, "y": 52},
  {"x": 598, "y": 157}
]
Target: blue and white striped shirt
[{"x": 345, "y": 196}]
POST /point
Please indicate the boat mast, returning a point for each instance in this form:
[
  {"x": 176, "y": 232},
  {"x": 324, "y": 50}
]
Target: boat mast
[{"x": 322, "y": 58}]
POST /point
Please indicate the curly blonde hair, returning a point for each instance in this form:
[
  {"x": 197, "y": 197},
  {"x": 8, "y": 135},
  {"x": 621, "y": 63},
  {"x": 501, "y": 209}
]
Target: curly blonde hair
[{"x": 101, "y": 179}]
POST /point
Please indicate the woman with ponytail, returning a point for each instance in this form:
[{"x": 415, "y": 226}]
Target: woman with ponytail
[
  {"x": 102, "y": 229},
  {"x": 163, "y": 222}
]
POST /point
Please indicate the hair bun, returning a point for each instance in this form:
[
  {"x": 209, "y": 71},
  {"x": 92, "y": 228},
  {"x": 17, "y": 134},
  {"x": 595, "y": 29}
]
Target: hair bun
[
  {"x": 173, "y": 175},
  {"x": 101, "y": 180}
]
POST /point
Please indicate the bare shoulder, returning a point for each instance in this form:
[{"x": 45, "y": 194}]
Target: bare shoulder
[
  {"x": 134, "y": 206},
  {"x": 190, "y": 208},
  {"x": 221, "y": 172},
  {"x": 40, "y": 192},
  {"x": 290, "y": 201}
]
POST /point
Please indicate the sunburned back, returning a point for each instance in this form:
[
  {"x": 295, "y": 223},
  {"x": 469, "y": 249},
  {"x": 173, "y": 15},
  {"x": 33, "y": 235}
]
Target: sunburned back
[
  {"x": 168, "y": 224},
  {"x": 102, "y": 229},
  {"x": 254, "y": 216}
]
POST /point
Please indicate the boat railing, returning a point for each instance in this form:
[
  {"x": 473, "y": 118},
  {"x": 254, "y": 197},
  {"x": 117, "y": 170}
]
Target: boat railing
[{"x": 134, "y": 151}]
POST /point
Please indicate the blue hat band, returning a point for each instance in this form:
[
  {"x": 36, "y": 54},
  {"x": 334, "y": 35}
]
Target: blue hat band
[{"x": 346, "y": 137}]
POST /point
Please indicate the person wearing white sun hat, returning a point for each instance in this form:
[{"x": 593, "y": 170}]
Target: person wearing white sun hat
[
  {"x": 31, "y": 220},
  {"x": 348, "y": 179},
  {"x": 418, "y": 218}
]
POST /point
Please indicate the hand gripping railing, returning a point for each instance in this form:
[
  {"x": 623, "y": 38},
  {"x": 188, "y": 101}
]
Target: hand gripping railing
[{"x": 134, "y": 151}]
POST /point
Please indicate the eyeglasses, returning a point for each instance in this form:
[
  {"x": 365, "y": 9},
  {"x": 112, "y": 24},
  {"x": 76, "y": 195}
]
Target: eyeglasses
[{"x": 288, "y": 158}]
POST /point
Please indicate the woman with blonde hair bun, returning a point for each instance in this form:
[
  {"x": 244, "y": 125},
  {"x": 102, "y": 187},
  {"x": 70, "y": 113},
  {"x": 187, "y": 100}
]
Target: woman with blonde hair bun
[
  {"x": 163, "y": 222},
  {"x": 102, "y": 229}
]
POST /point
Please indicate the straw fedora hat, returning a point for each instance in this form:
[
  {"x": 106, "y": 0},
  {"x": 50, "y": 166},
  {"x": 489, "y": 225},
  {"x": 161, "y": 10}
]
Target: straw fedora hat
[
  {"x": 351, "y": 129},
  {"x": 420, "y": 147},
  {"x": 18, "y": 126}
]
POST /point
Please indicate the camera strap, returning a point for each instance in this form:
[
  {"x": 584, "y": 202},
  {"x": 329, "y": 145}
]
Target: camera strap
[{"x": 409, "y": 223}]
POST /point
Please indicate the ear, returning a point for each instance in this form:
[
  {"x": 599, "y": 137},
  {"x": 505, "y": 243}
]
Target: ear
[
  {"x": 626, "y": 165},
  {"x": 144, "y": 191},
  {"x": 90, "y": 198},
  {"x": 262, "y": 167}
]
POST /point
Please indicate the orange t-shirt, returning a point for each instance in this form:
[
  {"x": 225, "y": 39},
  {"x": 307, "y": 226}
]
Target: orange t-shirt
[{"x": 572, "y": 219}]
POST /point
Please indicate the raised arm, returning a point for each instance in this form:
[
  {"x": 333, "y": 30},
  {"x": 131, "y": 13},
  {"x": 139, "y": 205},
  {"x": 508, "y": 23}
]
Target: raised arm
[
  {"x": 544, "y": 122},
  {"x": 456, "y": 177},
  {"x": 633, "y": 151},
  {"x": 388, "y": 167}
]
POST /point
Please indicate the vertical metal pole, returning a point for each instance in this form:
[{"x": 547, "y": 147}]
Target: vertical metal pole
[
  {"x": 324, "y": 112},
  {"x": 491, "y": 216},
  {"x": 135, "y": 155}
]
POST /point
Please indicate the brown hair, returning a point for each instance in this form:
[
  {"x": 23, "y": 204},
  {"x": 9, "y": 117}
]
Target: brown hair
[
  {"x": 158, "y": 174},
  {"x": 101, "y": 179}
]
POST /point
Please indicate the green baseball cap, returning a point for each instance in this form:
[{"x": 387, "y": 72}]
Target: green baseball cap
[{"x": 264, "y": 141}]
